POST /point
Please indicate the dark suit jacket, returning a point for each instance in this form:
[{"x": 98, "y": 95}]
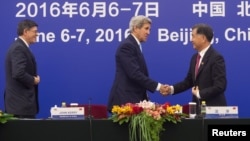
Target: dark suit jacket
[
  {"x": 211, "y": 79},
  {"x": 21, "y": 95},
  {"x": 131, "y": 77}
]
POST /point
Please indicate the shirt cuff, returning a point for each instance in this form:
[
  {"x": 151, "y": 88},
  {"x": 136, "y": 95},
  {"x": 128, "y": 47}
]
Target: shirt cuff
[
  {"x": 158, "y": 87},
  {"x": 172, "y": 90}
]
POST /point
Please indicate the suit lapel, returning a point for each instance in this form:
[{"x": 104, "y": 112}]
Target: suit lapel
[
  {"x": 30, "y": 54},
  {"x": 33, "y": 60},
  {"x": 141, "y": 56},
  {"x": 204, "y": 60},
  {"x": 142, "y": 62}
]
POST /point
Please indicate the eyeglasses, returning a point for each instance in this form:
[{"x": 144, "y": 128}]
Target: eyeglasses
[{"x": 34, "y": 31}]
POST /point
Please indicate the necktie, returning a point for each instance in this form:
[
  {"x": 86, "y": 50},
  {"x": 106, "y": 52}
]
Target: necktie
[
  {"x": 197, "y": 64},
  {"x": 140, "y": 47}
]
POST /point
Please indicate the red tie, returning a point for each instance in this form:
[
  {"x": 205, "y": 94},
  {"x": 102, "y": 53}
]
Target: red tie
[{"x": 197, "y": 64}]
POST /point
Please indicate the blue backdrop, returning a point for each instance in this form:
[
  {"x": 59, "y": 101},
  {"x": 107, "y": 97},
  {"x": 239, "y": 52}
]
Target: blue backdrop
[{"x": 78, "y": 39}]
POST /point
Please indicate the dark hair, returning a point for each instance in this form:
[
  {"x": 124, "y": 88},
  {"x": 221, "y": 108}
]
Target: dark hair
[
  {"x": 204, "y": 29},
  {"x": 25, "y": 24}
]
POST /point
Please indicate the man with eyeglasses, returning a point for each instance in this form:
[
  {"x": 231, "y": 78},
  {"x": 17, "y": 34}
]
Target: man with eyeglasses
[{"x": 21, "y": 87}]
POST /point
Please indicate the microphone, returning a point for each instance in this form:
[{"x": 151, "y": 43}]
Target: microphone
[{"x": 89, "y": 116}]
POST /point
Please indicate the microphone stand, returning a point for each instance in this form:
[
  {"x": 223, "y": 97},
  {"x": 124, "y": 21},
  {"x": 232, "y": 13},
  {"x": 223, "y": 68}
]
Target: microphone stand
[
  {"x": 199, "y": 116},
  {"x": 90, "y": 117}
]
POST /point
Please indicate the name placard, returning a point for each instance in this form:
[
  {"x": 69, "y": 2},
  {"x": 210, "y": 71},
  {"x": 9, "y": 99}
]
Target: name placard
[
  {"x": 222, "y": 112},
  {"x": 67, "y": 112}
]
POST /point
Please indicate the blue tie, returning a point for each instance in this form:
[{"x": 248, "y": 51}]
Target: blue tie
[{"x": 140, "y": 47}]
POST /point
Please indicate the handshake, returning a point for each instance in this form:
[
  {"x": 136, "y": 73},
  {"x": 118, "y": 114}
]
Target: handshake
[{"x": 165, "y": 89}]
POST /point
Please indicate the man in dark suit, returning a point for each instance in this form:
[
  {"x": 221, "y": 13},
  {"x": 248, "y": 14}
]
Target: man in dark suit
[
  {"x": 131, "y": 76},
  {"x": 209, "y": 82},
  {"x": 21, "y": 91}
]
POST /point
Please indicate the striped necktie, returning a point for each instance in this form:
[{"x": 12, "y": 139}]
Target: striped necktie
[{"x": 197, "y": 64}]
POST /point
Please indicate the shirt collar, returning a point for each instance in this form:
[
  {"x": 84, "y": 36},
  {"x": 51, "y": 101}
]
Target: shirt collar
[
  {"x": 138, "y": 42},
  {"x": 202, "y": 53},
  {"x": 24, "y": 41}
]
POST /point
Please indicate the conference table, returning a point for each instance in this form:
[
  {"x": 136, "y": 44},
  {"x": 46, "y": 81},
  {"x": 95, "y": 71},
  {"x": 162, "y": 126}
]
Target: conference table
[{"x": 104, "y": 130}]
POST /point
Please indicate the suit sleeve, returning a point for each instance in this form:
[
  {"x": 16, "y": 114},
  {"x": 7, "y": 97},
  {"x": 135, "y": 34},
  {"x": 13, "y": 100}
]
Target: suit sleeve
[{"x": 131, "y": 62}]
